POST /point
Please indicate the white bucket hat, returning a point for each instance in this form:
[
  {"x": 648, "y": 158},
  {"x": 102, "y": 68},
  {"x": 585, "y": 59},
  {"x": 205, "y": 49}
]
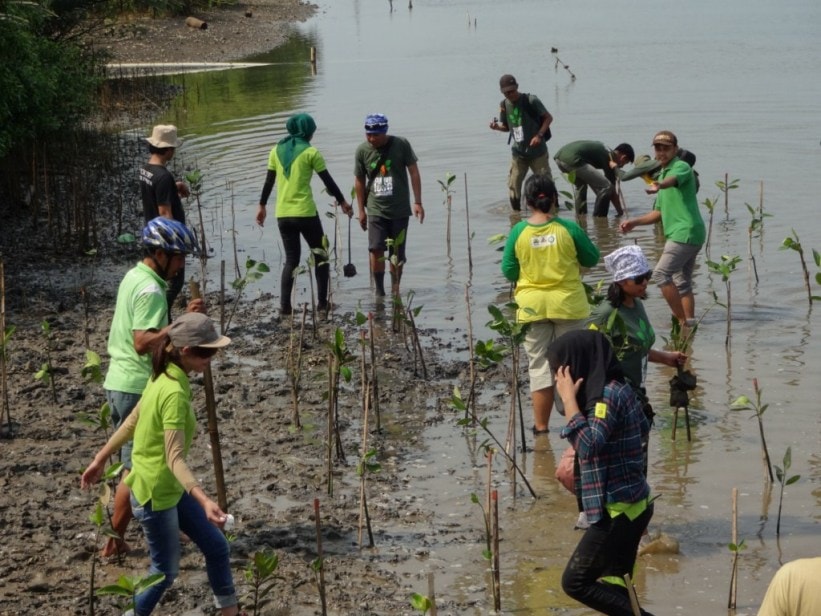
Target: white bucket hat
[
  {"x": 626, "y": 262},
  {"x": 164, "y": 136}
]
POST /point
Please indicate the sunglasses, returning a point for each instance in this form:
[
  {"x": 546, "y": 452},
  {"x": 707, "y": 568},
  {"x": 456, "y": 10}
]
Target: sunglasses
[{"x": 642, "y": 278}]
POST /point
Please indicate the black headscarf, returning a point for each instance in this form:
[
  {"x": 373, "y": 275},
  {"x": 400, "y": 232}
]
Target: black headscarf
[{"x": 589, "y": 356}]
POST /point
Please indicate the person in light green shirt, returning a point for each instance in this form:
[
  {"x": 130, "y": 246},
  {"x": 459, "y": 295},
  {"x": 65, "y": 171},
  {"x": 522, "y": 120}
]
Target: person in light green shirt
[{"x": 293, "y": 162}]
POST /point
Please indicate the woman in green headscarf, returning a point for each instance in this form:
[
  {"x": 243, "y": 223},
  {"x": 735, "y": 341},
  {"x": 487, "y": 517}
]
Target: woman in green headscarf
[{"x": 294, "y": 160}]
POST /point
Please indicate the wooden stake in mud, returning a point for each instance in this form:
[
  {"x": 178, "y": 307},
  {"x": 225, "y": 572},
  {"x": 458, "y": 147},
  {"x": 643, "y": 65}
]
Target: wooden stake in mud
[
  {"x": 3, "y": 350},
  {"x": 319, "y": 564},
  {"x": 213, "y": 428},
  {"x": 497, "y": 587},
  {"x": 731, "y": 602},
  {"x": 374, "y": 380},
  {"x": 364, "y": 514},
  {"x": 631, "y": 591},
  {"x": 431, "y": 594}
]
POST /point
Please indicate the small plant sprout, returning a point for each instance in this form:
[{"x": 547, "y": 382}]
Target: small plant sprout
[
  {"x": 421, "y": 603},
  {"x": 129, "y": 586},
  {"x": 254, "y": 270},
  {"x": 101, "y": 420},
  {"x": 710, "y": 204},
  {"x": 781, "y": 475},
  {"x": 754, "y": 230},
  {"x": 725, "y": 268},
  {"x": 92, "y": 370},
  {"x": 367, "y": 464},
  {"x": 260, "y": 576},
  {"x": 793, "y": 243},
  {"x": 725, "y": 187},
  {"x": 743, "y": 403},
  {"x": 447, "y": 201},
  {"x": 46, "y": 373}
]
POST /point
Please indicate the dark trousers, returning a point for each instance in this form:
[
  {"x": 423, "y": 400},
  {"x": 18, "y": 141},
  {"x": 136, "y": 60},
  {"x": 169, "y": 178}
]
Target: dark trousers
[
  {"x": 607, "y": 548},
  {"x": 292, "y": 229}
]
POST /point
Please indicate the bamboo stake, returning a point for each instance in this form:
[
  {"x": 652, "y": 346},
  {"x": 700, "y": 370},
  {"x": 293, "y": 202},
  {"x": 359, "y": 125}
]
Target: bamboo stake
[
  {"x": 471, "y": 361},
  {"x": 417, "y": 345},
  {"x": 364, "y": 515},
  {"x": 3, "y": 366},
  {"x": 320, "y": 561},
  {"x": 374, "y": 380},
  {"x": 213, "y": 427},
  {"x": 497, "y": 587},
  {"x": 431, "y": 594},
  {"x": 731, "y": 603},
  {"x": 467, "y": 228}
]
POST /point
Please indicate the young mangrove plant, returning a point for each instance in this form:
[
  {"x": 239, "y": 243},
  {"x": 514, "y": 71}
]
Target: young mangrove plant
[
  {"x": 421, "y": 603},
  {"x": 254, "y": 270},
  {"x": 339, "y": 358},
  {"x": 781, "y": 474},
  {"x": 447, "y": 201},
  {"x": 754, "y": 230},
  {"x": 367, "y": 464},
  {"x": 101, "y": 420},
  {"x": 92, "y": 370},
  {"x": 260, "y": 575},
  {"x": 725, "y": 187},
  {"x": 409, "y": 320},
  {"x": 46, "y": 373},
  {"x": 743, "y": 403},
  {"x": 393, "y": 245},
  {"x": 194, "y": 179},
  {"x": 513, "y": 332},
  {"x": 457, "y": 403},
  {"x": 293, "y": 366},
  {"x": 489, "y": 553},
  {"x": 129, "y": 586},
  {"x": 710, "y": 204},
  {"x": 793, "y": 243},
  {"x": 725, "y": 268}
]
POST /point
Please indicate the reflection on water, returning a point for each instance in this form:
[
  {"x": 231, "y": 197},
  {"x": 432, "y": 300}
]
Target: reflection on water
[{"x": 738, "y": 82}]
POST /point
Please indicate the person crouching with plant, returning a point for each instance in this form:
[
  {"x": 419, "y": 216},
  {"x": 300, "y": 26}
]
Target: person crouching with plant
[
  {"x": 165, "y": 496},
  {"x": 606, "y": 426}
]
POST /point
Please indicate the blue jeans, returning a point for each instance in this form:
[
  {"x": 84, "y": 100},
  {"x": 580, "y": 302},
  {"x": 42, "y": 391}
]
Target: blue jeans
[
  {"x": 607, "y": 548},
  {"x": 162, "y": 534},
  {"x": 122, "y": 403}
]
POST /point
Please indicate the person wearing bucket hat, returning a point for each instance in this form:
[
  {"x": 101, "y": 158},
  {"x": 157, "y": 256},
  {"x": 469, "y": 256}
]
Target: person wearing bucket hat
[
  {"x": 527, "y": 122},
  {"x": 139, "y": 324},
  {"x": 383, "y": 164},
  {"x": 165, "y": 495},
  {"x": 591, "y": 163},
  {"x": 676, "y": 207},
  {"x": 293, "y": 162},
  {"x": 161, "y": 194}
]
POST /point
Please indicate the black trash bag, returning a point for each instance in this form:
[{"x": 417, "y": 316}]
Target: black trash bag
[{"x": 680, "y": 384}]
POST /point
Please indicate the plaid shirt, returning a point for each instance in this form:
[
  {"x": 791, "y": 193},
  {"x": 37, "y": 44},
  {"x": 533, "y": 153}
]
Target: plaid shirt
[{"x": 608, "y": 440}]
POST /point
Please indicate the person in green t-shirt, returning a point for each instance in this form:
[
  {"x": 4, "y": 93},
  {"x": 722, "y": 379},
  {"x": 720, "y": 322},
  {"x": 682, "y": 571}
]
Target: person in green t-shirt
[
  {"x": 140, "y": 322},
  {"x": 677, "y": 208},
  {"x": 382, "y": 166},
  {"x": 527, "y": 122},
  {"x": 293, "y": 161},
  {"x": 165, "y": 495}
]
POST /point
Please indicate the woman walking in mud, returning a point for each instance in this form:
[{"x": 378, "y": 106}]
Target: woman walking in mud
[
  {"x": 165, "y": 496},
  {"x": 606, "y": 426}
]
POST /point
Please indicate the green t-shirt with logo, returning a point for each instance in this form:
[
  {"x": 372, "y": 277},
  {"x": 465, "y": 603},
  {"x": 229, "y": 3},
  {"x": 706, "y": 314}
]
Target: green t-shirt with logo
[
  {"x": 389, "y": 196},
  {"x": 678, "y": 204},
  {"x": 165, "y": 405},
  {"x": 634, "y": 350},
  {"x": 524, "y": 119},
  {"x": 141, "y": 305}
]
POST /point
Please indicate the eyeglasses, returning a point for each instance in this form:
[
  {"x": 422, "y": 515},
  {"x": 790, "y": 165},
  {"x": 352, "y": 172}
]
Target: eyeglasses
[{"x": 642, "y": 278}]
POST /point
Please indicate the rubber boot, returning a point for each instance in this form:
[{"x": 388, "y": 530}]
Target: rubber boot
[{"x": 515, "y": 204}]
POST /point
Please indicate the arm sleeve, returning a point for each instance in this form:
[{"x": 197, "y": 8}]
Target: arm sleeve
[
  {"x": 270, "y": 178},
  {"x": 586, "y": 250},
  {"x": 333, "y": 189},
  {"x": 510, "y": 263},
  {"x": 175, "y": 460}
]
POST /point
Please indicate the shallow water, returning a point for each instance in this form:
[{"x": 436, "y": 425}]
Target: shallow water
[{"x": 739, "y": 84}]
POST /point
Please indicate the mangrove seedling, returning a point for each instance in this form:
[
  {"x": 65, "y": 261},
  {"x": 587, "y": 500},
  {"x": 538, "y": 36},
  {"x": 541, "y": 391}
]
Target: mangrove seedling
[
  {"x": 558, "y": 63},
  {"x": 260, "y": 576},
  {"x": 339, "y": 358},
  {"x": 101, "y": 420},
  {"x": 293, "y": 366},
  {"x": 367, "y": 464},
  {"x": 194, "y": 179},
  {"x": 735, "y": 547},
  {"x": 447, "y": 200},
  {"x": 781, "y": 474},
  {"x": 710, "y": 204},
  {"x": 421, "y": 603},
  {"x": 46, "y": 373},
  {"x": 513, "y": 332},
  {"x": 393, "y": 245},
  {"x": 318, "y": 257},
  {"x": 743, "y": 403},
  {"x": 129, "y": 586},
  {"x": 793, "y": 243},
  {"x": 254, "y": 270},
  {"x": 725, "y": 268},
  {"x": 92, "y": 370},
  {"x": 725, "y": 187}
]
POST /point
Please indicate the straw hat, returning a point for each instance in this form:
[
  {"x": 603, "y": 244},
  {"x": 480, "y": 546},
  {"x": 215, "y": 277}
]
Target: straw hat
[{"x": 164, "y": 136}]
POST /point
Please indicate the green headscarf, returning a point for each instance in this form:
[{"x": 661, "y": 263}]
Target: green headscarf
[{"x": 301, "y": 127}]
